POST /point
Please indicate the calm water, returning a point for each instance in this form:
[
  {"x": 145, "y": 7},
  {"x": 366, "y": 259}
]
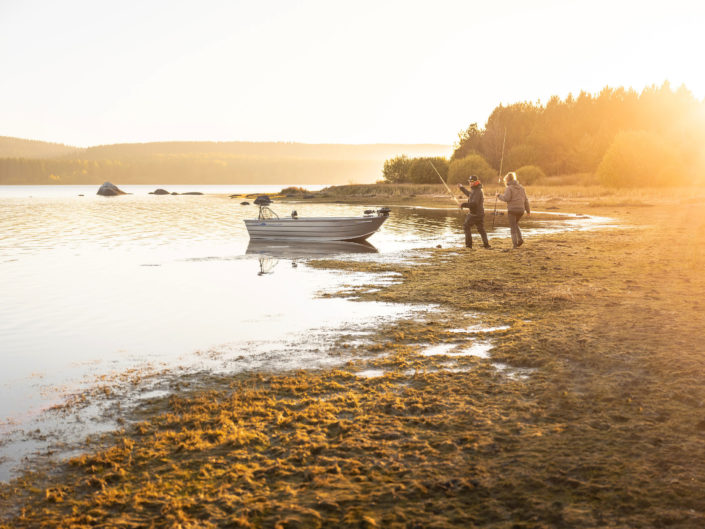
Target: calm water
[{"x": 93, "y": 285}]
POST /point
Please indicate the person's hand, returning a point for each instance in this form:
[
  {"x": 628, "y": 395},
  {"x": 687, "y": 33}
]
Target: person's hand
[{"x": 460, "y": 185}]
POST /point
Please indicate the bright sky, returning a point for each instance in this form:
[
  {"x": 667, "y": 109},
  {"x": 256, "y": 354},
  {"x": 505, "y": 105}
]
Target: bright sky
[{"x": 321, "y": 71}]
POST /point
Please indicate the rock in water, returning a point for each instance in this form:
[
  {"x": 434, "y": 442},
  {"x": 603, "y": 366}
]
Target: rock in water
[
  {"x": 159, "y": 191},
  {"x": 110, "y": 190}
]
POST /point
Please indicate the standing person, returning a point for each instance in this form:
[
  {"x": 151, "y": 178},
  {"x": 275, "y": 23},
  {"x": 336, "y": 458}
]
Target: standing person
[
  {"x": 517, "y": 204},
  {"x": 476, "y": 211}
]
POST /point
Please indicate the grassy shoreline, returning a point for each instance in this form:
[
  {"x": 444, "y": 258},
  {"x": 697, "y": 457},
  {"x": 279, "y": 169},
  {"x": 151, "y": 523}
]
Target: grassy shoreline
[
  {"x": 606, "y": 430},
  {"x": 569, "y": 198}
]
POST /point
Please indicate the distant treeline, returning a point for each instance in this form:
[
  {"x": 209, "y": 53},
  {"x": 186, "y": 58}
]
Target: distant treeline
[
  {"x": 617, "y": 137},
  {"x": 188, "y": 170},
  {"x": 238, "y": 149},
  {"x": 21, "y": 148},
  {"x": 200, "y": 162}
]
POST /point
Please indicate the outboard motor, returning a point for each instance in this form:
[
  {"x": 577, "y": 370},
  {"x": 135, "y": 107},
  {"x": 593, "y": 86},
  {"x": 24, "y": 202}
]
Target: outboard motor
[{"x": 384, "y": 212}]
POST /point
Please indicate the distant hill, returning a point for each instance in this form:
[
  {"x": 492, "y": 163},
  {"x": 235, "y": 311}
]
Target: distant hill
[
  {"x": 321, "y": 151},
  {"x": 19, "y": 148},
  {"x": 23, "y": 162}
]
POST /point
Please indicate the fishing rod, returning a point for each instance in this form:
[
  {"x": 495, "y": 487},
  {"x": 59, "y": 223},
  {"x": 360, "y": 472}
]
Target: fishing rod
[
  {"x": 448, "y": 188},
  {"x": 499, "y": 177}
]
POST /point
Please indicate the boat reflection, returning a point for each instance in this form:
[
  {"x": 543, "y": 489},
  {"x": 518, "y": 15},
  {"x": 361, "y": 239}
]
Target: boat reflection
[
  {"x": 303, "y": 250},
  {"x": 266, "y": 265}
]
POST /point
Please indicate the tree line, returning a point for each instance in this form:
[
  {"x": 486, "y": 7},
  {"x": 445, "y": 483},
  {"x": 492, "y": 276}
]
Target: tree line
[
  {"x": 618, "y": 137},
  {"x": 35, "y": 162},
  {"x": 204, "y": 169}
]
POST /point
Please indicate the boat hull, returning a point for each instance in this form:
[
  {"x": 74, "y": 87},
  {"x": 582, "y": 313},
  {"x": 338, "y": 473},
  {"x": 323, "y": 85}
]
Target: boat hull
[{"x": 315, "y": 228}]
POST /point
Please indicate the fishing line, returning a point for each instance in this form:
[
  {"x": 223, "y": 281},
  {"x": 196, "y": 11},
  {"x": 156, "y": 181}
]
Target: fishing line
[
  {"x": 499, "y": 177},
  {"x": 448, "y": 188}
]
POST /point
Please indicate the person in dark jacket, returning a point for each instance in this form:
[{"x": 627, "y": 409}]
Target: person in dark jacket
[
  {"x": 476, "y": 211},
  {"x": 517, "y": 204}
]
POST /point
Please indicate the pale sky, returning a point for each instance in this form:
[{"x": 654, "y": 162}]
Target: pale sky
[{"x": 95, "y": 72}]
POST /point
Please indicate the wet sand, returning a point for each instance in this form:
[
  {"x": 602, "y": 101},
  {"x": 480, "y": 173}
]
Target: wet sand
[{"x": 586, "y": 412}]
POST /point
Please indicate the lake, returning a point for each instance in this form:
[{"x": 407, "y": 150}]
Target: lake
[{"x": 92, "y": 286}]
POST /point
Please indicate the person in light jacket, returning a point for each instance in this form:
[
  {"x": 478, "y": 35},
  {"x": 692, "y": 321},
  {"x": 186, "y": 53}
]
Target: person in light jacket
[
  {"x": 517, "y": 204},
  {"x": 476, "y": 211}
]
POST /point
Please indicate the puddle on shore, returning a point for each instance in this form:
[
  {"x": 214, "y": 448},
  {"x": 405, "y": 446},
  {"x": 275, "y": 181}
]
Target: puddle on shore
[
  {"x": 515, "y": 373},
  {"x": 478, "y": 349},
  {"x": 371, "y": 373},
  {"x": 439, "y": 349},
  {"x": 474, "y": 329}
]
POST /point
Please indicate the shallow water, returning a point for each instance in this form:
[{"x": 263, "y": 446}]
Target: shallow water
[{"x": 97, "y": 285}]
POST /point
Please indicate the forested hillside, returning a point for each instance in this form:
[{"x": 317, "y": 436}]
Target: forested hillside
[
  {"x": 617, "y": 137},
  {"x": 204, "y": 163}
]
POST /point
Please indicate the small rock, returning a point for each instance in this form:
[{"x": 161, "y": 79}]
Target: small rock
[
  {"x": 110, "y": 190},
  {"x": 192, "y": 193},
  {"x": 244, "y": 203},
  {"x": 159, "y": 192}
]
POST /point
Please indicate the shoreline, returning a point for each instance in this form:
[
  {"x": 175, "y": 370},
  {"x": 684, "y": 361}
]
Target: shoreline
[{"x": 603, "y": 430}]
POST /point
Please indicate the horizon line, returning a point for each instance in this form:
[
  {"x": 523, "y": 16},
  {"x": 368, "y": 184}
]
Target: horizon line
[{"x": 289, "y": 142}]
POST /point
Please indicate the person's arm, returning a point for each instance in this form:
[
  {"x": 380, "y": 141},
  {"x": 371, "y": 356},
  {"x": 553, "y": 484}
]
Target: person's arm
[
  {"x": 527, "y": 208},
  {"x": 465, "y": 191},
  {"x": 506, "y": 196}
]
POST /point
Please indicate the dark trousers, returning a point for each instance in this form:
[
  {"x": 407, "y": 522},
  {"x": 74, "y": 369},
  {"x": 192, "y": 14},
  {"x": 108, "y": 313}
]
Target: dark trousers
[
  {"x": 514, "y": 217},
  {"x": 479, "y": 223}
]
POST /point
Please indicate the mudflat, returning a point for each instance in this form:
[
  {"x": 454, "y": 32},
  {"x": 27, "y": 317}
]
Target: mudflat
[{"x": 598, "y": 419}]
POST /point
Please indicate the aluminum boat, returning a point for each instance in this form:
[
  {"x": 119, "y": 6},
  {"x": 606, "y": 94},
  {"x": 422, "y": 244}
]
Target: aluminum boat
[{"x": 268, "y": 225}]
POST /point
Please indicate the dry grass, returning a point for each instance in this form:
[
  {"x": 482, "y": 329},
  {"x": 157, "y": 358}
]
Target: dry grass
[{"x": 565, "y": 197}]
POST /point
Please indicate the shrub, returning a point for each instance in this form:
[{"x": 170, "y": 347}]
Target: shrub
[
  {"x": 396, "y": 169},
  {"x": 292, "y": 190},
  {"x": 462, "y": 169},
  {"x": 571, "y": 179},
  {"x": 530, "y": 174},
  {"x": 421, "y": 171},
  {"x": 640, "y": 158}
]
